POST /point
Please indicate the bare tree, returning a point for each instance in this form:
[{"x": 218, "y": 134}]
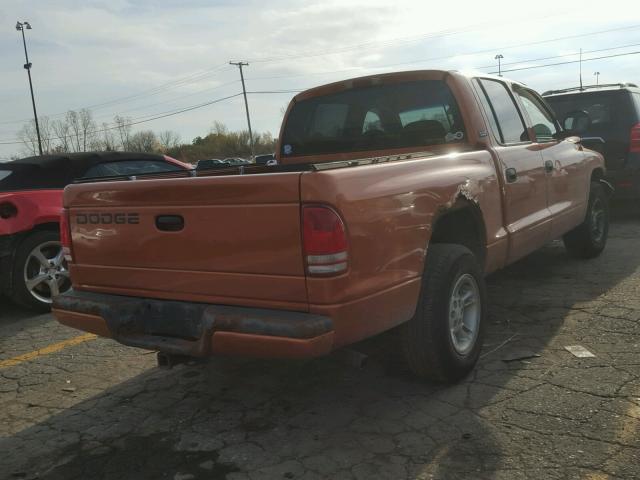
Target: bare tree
[
  {"x": 73, "y": 120},
  {"x": 109, "y": 142},
  {"x": 62, "y": 133},
  {"x": 123, "y": 128},
  {"x": 168, "y": 139},
  {"x": 29, "y": 137},
  {"x": 87, "y": 128},
  {"x": 144, "y": 141}
]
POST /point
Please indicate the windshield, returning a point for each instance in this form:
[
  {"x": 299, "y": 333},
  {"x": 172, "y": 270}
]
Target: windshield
[{"x": 410, "y": 114}]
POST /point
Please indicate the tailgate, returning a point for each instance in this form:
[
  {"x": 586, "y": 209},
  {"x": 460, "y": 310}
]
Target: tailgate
[{"x": 231, "y": 239}]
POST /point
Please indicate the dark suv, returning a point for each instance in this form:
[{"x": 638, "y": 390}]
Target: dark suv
[{"x": 607, "y": 117}]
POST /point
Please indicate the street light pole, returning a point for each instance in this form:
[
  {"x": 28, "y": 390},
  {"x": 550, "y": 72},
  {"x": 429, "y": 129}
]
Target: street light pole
[
  {"x": 21, "y": 26},
  {"x": 499, "y": 57},
  {"x": 246, "y": 104}
]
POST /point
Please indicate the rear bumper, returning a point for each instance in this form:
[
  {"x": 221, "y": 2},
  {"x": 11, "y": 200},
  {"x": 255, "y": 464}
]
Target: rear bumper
[{"x": 197, "y": 329}]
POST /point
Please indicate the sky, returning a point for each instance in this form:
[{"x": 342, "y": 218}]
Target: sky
[{"x": 143, "y": 59}]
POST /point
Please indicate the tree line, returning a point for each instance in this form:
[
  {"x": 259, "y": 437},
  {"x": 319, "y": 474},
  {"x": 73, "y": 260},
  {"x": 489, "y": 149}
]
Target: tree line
[{"x": 77, "y": 131}]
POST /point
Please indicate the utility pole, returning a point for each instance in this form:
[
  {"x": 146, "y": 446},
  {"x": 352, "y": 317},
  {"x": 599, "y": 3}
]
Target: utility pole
[
  {"x": 581, "y": 70},
  {"x": 20, "y": 26},
  {"x": 499, "y": 57},
  {"x": 597, "y": 74},
  {"x": 246, "y": 104}
]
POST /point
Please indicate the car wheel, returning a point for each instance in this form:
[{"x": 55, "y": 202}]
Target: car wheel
[
  {"x": 589, "y": 238},
  {"x": 442, "y": 342},
  {"x": 39, "y": 271}
]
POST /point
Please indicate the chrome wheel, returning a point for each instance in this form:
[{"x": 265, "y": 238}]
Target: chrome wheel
[
  {"x": 464, "y": 314},
  {"x": 45, "y": 272},
  {"x": 598, "y": 220}
]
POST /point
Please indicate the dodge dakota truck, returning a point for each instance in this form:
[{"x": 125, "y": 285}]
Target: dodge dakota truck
[{"x": 393, "y": 197}]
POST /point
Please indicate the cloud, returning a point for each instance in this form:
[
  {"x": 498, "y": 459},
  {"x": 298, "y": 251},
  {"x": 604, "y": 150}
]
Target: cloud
[{"x": 88, "y": 52}]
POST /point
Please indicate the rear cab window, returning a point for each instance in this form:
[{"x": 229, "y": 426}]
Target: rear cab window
[{"x": 398, "y": 115}]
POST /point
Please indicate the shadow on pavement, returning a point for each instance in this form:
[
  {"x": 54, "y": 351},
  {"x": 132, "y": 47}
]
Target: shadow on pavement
[
  {"x": 10, "y": 312},
  {"x": 320, "y": 419}
]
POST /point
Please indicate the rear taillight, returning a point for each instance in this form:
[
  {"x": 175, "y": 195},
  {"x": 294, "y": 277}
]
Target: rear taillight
[
  {"x": 634, "y": 146},
  {"x": 65, "y": 235},
  {"x": 324, "y": 240}
]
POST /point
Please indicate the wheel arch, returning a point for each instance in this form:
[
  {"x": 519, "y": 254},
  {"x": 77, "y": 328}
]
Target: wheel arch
[
  {"x": 461, "y": 223},
  {"x": 598, "y": 176}
]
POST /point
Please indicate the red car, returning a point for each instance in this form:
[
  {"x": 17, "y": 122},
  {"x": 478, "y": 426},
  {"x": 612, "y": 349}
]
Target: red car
[{"x": 32, "y": 267}]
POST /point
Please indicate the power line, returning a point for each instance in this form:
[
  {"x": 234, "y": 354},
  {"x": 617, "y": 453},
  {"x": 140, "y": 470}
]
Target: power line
[
  {"x": 276, "y": 91},
  {"x": 137, "y": 122},
  {"x": 603, "y": 57},
  {"x": 563, "y": 55},
  {"x": 203, "y": 74},
  {"x": 571, "y": 61},
  {"x": 447, "y": 57},
  {"x": 144, "y": 93},
  {"x": 199, "y": 92},
  {"x": 396, "y": 41}
]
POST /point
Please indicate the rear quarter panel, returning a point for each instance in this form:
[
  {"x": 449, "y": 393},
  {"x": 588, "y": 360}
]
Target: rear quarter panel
[
  {"x": 34, "y": 207},
  {"x": 389, "y": 211}
]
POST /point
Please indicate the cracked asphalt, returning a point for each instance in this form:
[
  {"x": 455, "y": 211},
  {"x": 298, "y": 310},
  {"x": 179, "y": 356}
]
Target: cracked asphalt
[{"x": 98, "y": 410}]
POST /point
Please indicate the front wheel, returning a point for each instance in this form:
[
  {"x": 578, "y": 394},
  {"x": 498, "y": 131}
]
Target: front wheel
[
  {"x": 442, "y": 341},
  {"x": 39, "y": 271},
  {"x": 589, "y": 238}
]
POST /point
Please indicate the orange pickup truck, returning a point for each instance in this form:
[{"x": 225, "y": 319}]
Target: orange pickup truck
[{"x": 393, "y": 197}]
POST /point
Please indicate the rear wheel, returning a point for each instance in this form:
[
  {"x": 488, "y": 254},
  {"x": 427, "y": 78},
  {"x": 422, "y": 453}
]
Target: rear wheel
[
  {"x": 442, "y": 341},
  {"x": 589, "y": 238},
  {"x": 39, "y": 271}
]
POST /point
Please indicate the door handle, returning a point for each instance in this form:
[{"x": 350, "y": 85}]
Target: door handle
[
  {"x": 511, "y": 175},
  {"x": 548, "y": 166},
  {"x": 170, "y": 223}
]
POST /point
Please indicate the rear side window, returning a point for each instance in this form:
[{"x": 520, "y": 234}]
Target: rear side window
[
  {"x": 399, "y": 115},
  {"x": 506, "y": 116},
  {"x": 543, "y": 122},
  {"x": 590, "y": 110},
  {"x": 130, "y": 167}
]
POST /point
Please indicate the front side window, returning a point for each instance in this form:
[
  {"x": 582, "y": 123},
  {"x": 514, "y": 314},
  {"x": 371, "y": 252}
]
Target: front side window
[
  {"x": 398, "y": 115},
  {"x": 507, "y": 119},
  {"x": 543, "y": 122}
]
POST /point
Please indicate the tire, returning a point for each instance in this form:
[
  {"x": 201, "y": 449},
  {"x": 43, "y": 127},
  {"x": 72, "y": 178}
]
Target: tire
[
  {"x": 432, "y": 351},
  {"x": 26, "y": 266},
  {"x": 589, "y": 238}
]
